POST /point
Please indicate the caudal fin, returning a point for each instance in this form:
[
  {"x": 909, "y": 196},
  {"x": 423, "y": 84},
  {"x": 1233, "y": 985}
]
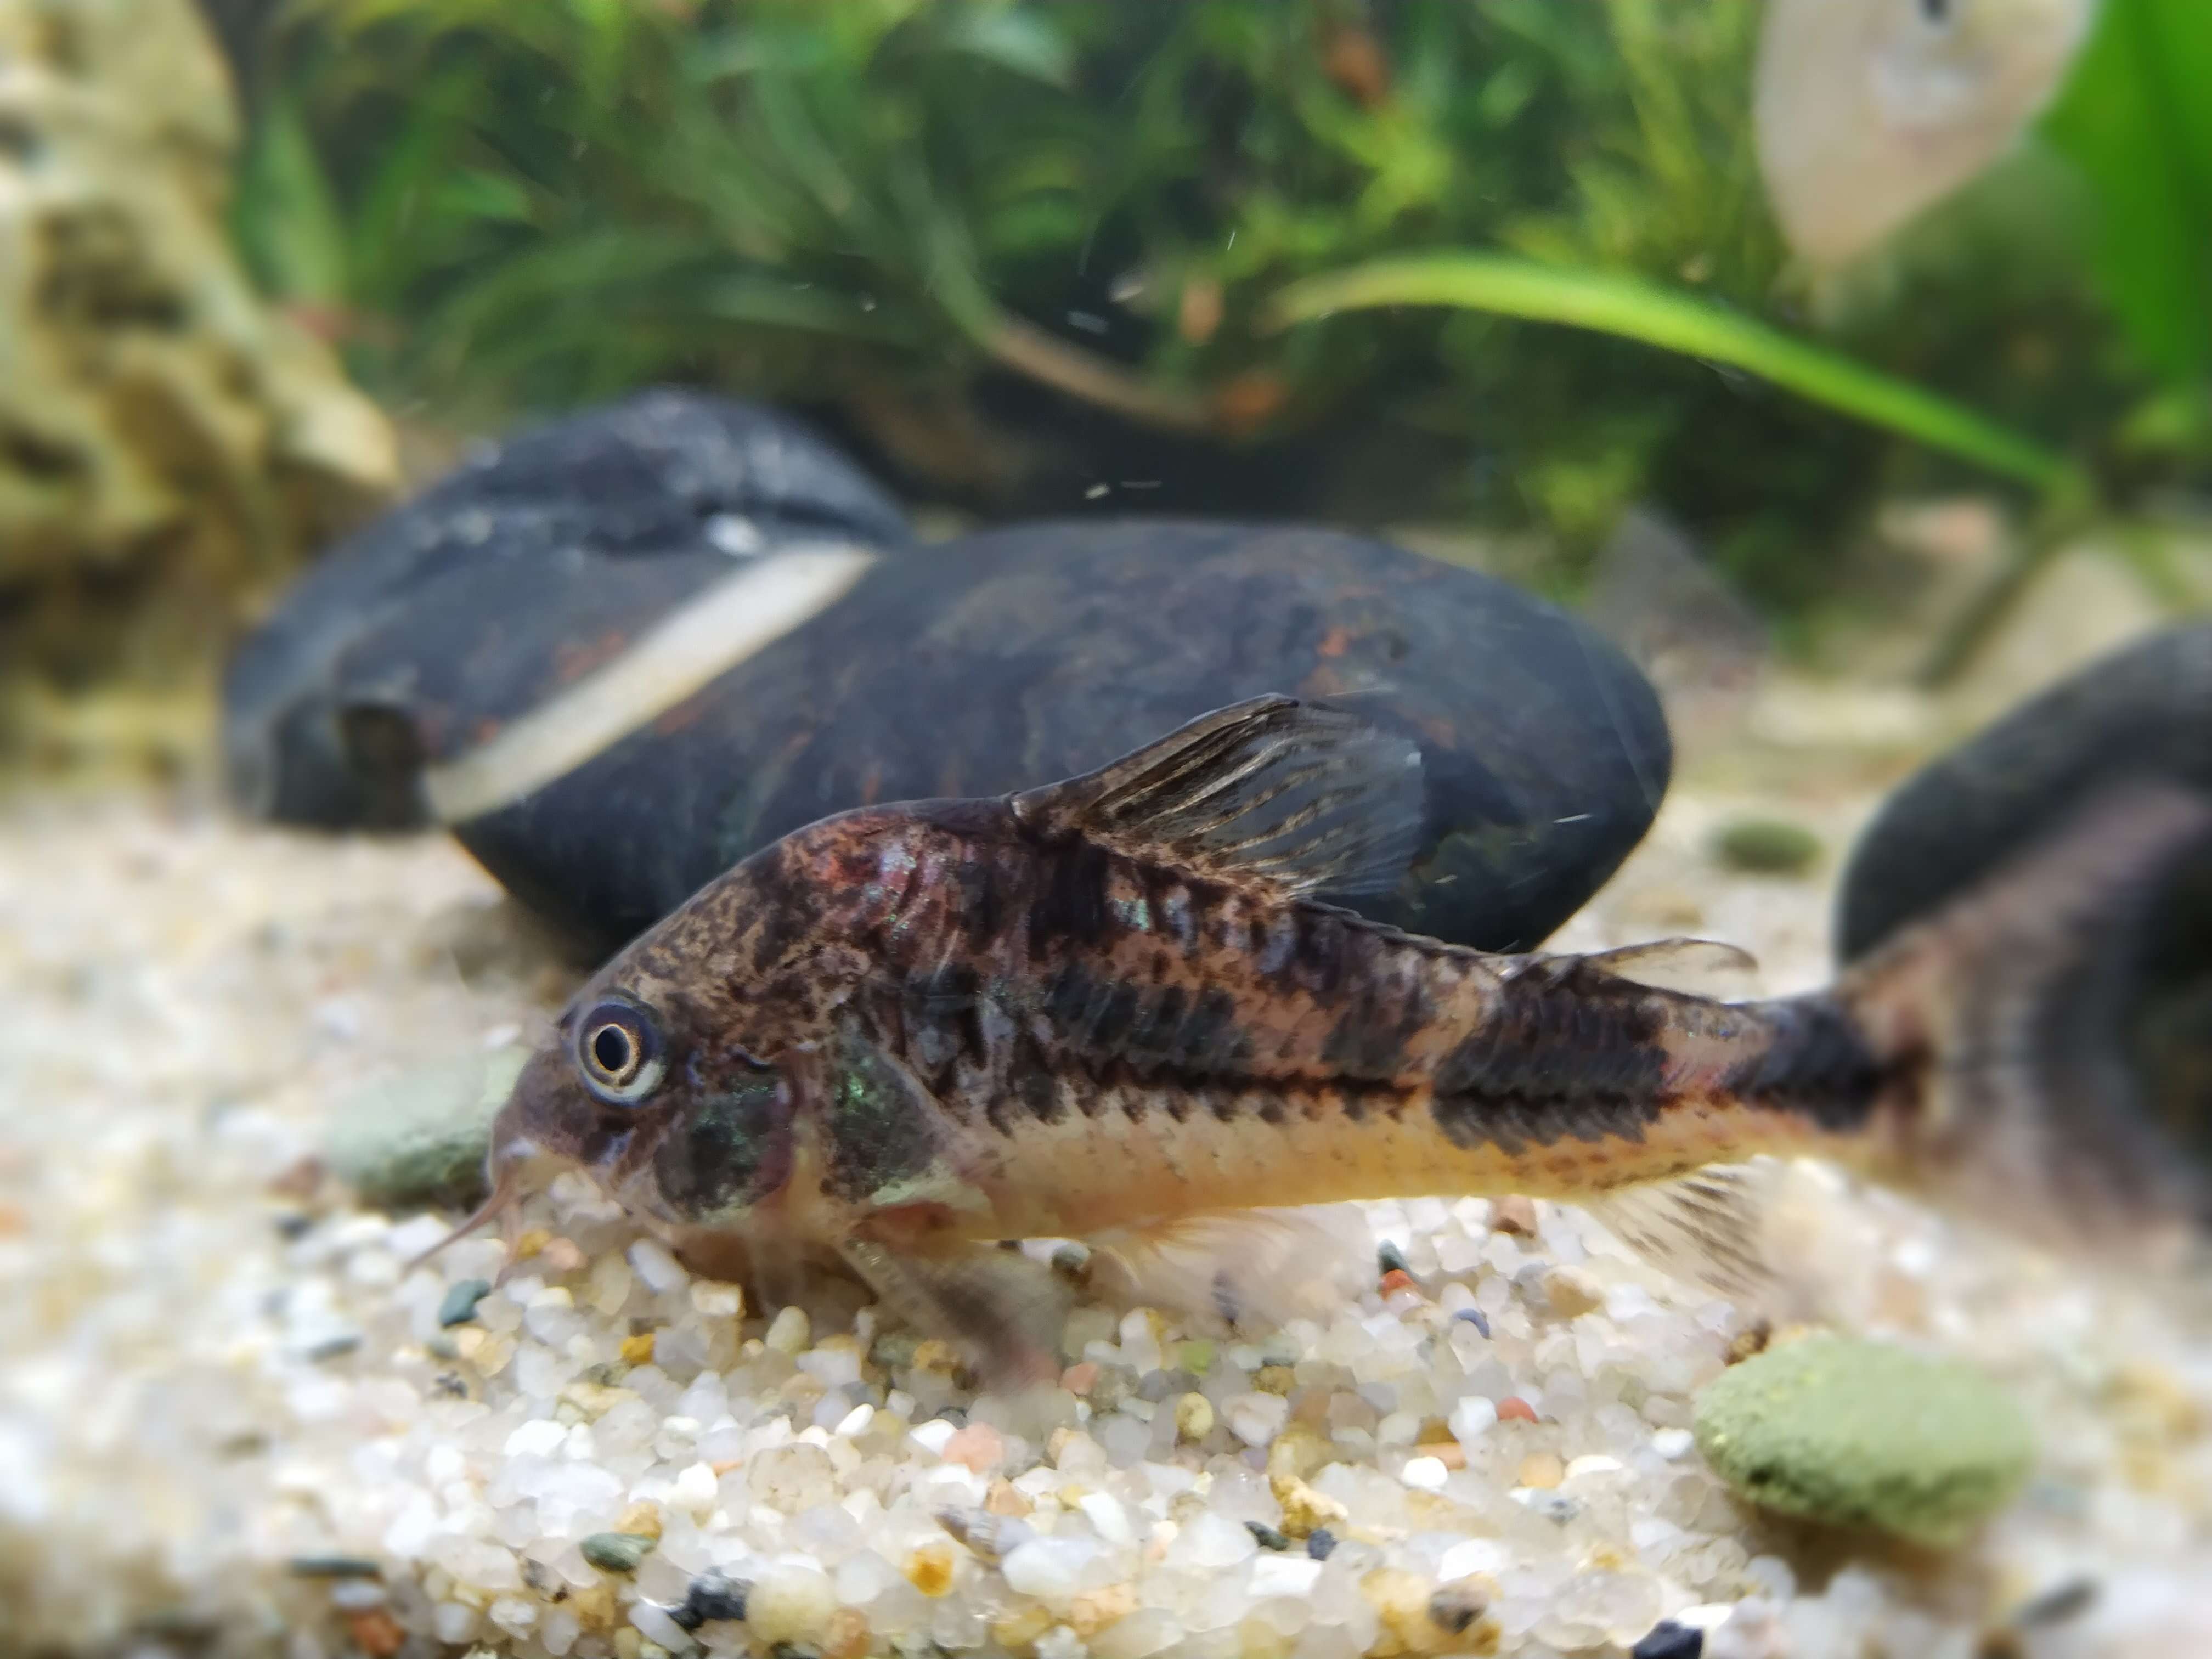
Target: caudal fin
[{"x": 2011, "y": 1024}]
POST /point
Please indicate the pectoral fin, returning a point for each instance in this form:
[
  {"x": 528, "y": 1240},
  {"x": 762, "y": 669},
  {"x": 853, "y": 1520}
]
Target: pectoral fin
[
  {"x": 1005, "y": 1308},
  {"x": 1711, "y": 1228}
]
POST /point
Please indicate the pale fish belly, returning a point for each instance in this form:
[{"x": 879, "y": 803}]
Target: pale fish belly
[{"x": 1135, "y": 1163}]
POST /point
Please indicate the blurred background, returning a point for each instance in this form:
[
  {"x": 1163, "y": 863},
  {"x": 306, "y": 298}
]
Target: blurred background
[
  {"x": 1847, "y": 363},
  {"x": 1503, "y": 270}
]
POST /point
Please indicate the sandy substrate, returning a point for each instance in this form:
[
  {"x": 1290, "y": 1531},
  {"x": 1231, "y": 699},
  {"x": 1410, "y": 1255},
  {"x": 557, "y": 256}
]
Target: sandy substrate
[{"x": 228, "y": 1418}]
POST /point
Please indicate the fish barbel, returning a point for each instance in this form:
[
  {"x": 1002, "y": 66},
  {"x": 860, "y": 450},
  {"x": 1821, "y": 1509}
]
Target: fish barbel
[{"x": 1116, "y": 1008}]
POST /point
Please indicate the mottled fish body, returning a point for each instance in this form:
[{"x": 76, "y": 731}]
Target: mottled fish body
[{"x": 1119, "y": 1007}]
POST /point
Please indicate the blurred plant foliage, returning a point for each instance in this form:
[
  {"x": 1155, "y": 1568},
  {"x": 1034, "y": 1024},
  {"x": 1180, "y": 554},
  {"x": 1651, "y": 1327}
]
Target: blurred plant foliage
[{"x": 901, "y": 211}]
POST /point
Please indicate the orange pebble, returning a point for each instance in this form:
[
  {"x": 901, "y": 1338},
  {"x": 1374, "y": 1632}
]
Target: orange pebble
[
  {"x": 1081, "y": 1379},
  {"x": 1513, "y": 1408},
  {"x": 1450, "y": 1452},
  {"x": 1513, "y": 1214},
  {"x": 560, "y": 1257},
  {"x": 979, "y": 1446},
  {"x": 1397, "y": 1280},
  {"x": 376, "y": 1633},
  {"x": 848, "y": 1636}
]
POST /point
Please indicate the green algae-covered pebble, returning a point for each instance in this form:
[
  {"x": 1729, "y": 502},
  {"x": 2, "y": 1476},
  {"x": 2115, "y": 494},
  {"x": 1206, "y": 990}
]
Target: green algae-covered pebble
[
  {"x": 1766, "y": 847},
  {"x": 420, "y": 1139},
  {"x": 1862, "y": 1434},
  {"x": 617, "y": 1551}
]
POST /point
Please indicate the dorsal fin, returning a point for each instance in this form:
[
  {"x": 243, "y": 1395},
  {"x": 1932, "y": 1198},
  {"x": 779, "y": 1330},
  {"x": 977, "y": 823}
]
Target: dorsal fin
[
  {"x": 1273, "y": 792},
  {"x": 1673, "y": 964}
]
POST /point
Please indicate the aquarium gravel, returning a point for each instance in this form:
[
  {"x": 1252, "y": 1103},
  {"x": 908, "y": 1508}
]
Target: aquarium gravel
[{"x": 231, "y": 1420}]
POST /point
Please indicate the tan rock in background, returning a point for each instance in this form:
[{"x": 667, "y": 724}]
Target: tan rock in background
[{"x": 163, "y": 433}]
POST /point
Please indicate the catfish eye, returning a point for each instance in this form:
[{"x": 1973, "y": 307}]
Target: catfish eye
[{"x": 618, "y": 1051}]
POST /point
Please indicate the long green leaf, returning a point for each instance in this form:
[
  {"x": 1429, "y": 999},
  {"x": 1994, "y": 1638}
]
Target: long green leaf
[{"x": 1636, "y": 310}]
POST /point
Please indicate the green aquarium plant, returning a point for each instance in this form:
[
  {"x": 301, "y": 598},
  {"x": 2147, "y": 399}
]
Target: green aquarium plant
[{"x": 1297, "y": 255}]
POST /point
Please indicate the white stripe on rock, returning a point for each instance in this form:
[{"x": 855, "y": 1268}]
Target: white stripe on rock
[{"x": 718, "y": 629}]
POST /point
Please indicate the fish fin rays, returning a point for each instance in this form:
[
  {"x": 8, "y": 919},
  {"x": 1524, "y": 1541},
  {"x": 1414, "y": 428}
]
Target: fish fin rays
[
  {"x": 1673, "y": 964},
  {"x": 1716, "y": 1227},
  {"x": 1007, "y": 1308},
  {"x": 1297, "y": 798},
  {"x": 1248, "y": 1266},
  {"x": 2015, "y": 1001}
]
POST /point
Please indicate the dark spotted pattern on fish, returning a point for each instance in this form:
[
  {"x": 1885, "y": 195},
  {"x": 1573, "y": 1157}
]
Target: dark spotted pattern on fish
[
  {"x": 879, "y": 1127},
  {"x": 1818, "y": 1062},
  {"x": 1570, "y": 1053},
  {"x": 727, "y": 1153},
  {"x": 968, "y": 1022}
]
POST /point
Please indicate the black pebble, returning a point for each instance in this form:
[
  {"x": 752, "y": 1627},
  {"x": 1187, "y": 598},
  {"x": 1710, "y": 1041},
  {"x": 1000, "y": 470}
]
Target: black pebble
[
  {"x": 1668, "y": 1640},
  {"x": 1268, "y": 1537},
  {"x": 1390, "y": 1258},
  {"x": 333, "y": 1566},
  {"x": 1475, "y": 1317},
  {"x": 292, "y": 1226},
  {"x": 712, "y": 1597},
  {"x": 1321, "y": 1543},
  {"x": 2067, "y": 1600}
]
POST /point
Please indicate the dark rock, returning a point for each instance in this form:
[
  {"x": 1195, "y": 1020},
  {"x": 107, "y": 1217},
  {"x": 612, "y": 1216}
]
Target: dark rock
[
  {"x": 2145, "y": 710},
  {"x": 1454, "y": 1607},
  {"x": 711, "y": 1597},
  {"x": 1389, "y": 1258},
  {"x": 398, "y": 677},
  {"x": 602, "y": 521},
  {"x": 1267, "y": 1536},
  {"x": 2141, "y": 1005},
  {"x": 333, "y": 1566},
  {"x": 1321, "y": 1543},
  {"x": 1668, "y": 1640}
]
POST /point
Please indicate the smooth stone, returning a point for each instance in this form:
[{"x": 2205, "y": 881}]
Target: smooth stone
[
  {"x": 460, "y": 1306},
  {"x": 993, "y": 662},
  {"x": 615, "y": 1552},
  {"x": 604, "y": 520},
  {"x": 1866, "y": 1435},
  {"x": 419, "y": 1140}
]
